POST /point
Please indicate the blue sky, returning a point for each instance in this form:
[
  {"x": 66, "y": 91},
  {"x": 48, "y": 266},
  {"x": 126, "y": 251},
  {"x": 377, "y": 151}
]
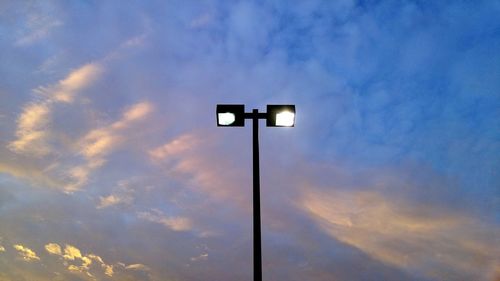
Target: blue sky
[{"x": 112, "y": 167}]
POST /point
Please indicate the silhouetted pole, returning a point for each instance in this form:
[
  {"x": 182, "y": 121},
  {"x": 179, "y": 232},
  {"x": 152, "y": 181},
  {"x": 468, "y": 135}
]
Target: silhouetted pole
[{"x": 257, "y": 247}]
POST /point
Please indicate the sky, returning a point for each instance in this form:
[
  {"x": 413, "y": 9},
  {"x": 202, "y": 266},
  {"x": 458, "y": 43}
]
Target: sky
[{"x": 112, "y": 166}]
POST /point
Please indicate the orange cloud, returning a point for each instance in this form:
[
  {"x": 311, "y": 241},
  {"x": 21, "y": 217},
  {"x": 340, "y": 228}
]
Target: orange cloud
[
  {"x": 31, "y": 130},
  {"x": 33, "y": 124},
  {"x": 100, "y": 142},
  {"x": 66, "y": 89},
  {"x": 174, "y": 148},
  {"x": 408, "y": 236},
  {"x": 190, "y": 158}
]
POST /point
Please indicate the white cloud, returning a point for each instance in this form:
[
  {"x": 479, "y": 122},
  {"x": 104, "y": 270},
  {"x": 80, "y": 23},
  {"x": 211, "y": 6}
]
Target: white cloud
[
  {"x": 203, "y": 256},
  {"x": 38, "y": 26},
  {"x": 26, "y": 253},
  {"x": 137, "y": 266}
]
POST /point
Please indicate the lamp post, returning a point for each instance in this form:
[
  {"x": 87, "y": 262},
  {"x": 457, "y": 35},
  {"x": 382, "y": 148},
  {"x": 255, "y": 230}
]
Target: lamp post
[{"x": 234, "y": 115}]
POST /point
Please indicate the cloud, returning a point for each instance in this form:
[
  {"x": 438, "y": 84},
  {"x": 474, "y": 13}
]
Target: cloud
[
  {"x": 134, "y": 113},
  {"x": 100, "y": 142},
  {"x": 372, "y": 85},
  {"x": 73, "y": 254},
  {"x": 33, "y": 132},
  {"x": 26, "y": 253},
  {"x": 414, "y": 237},
  {"x": 108, "y": 269},
  {"x": 174, "y": 148},
  {"x": 53, "y": 248},
  {"x": 65, "y": 90},
  {"x": 2, "y": 248},
  {"x": 123, "y": 194},
  {"x": 37, "y": 136},
  {"x": 203, "y": 256},
  {"x": 39, "y": 23},
  {"x": 113, "y": 199},
  {"x": 173, "y": 223},
  {"x": 29, "y": 171},
  {"x": 137, "y": 266},
  {"x": 190, "y": 159},
  {"x": 136, "y": 271}
]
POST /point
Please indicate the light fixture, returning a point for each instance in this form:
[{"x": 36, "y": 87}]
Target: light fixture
[
  {"x": 280, "y": 115},
  {"x": 230, "y": 115}
]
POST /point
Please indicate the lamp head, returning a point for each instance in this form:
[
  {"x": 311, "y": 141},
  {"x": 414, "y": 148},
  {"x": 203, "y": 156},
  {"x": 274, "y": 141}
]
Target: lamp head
[
  {"x": 230, "y": 115},
  {"x": 280, "y": 115}
]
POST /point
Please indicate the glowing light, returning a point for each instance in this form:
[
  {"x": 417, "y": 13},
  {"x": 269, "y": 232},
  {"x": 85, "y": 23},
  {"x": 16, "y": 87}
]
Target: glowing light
[
  {"x": 226, "y": 118},
  {"x": 285, "y": 119}
]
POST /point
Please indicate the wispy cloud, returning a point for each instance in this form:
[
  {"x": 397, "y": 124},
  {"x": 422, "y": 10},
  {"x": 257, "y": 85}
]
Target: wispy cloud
[
  {"x": 190, "y": 158},
  {"x": 201, "y": 257},
  {"x": 65, "y": 91},
  {"x": 92, "y": 94},
  {"x": 437, "y": 244},
  {"x": 100, "y": 142},
  {"x": 113, "y": 199},
  {"x": 137, "y": 266},
  {"x": 171, "y": 150},
  {"x": 34, "y": 133},
  {"x": 41, "y": 19},
  {"x": 175, "y": 223}
]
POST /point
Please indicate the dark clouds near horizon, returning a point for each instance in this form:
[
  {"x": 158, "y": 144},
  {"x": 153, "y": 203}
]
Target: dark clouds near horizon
[{"x": 112, "y": 167}]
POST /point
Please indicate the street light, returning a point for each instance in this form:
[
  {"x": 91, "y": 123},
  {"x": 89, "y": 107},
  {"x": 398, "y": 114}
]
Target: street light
[{"x": 233, "y": 115}]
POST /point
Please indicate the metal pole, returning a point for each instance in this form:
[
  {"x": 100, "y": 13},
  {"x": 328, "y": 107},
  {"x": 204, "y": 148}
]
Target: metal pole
[{"x": 257, "y": 247}]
